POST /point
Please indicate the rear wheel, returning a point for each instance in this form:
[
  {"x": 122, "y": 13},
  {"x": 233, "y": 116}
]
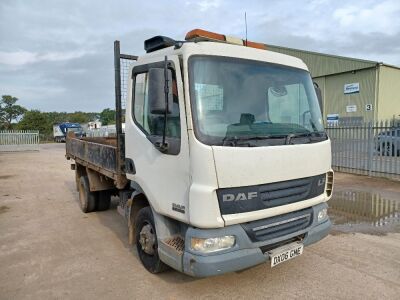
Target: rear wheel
[
  {"x": 146, "y": 241},
  {"x": 77, "y": 178},
  {"x": 103, "y": 200},
  {"x": 87, "y": 198}
]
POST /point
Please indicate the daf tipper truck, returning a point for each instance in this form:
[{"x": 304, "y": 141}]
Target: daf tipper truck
[{"x": 224, "y": 163}]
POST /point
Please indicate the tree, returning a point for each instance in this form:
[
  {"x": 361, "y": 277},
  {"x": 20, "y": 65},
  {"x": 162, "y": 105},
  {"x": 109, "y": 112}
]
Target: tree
[
  {"x": 36, "y": 120},
  {"x": 107, "y": 116},
  {"x": 9, "y": 111},
  {"x": 79, "y": 117}
]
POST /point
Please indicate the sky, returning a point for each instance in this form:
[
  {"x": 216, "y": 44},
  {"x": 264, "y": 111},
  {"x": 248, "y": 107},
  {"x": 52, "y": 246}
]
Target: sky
[{"x": 58, "y": 55}]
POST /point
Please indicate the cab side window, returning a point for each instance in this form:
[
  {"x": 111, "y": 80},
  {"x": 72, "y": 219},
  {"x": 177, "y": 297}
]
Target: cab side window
[{"x": 153, "y": 124}]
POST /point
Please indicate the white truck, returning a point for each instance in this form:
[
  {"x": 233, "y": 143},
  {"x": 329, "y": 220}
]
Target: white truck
[{"x": 224, "y": 163}]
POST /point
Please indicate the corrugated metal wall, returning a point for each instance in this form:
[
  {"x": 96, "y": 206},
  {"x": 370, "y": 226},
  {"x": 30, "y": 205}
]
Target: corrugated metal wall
[
  {"x": 323, "y": 64},
  {"x": 389, "y": 93},
  {"x": 336, "y": 101},
  {"x": 332, "y": 72}
]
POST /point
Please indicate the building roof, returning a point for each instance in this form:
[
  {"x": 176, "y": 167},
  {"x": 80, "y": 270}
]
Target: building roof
[{"x": 321, "y": 64}]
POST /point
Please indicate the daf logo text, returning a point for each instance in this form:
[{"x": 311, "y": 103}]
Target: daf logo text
[{"x": 239, "y": 196}]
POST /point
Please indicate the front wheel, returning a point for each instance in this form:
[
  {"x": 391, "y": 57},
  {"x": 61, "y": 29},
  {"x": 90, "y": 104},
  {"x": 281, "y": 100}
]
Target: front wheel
[{"x": 146, "y": 241}]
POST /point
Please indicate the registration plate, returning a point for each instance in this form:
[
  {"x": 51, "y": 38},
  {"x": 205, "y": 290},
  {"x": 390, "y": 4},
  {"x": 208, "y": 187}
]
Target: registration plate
[{"x": 284, "y": 253}]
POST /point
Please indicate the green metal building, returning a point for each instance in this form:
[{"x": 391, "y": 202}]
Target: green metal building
[{"x": 352, "y": 89}]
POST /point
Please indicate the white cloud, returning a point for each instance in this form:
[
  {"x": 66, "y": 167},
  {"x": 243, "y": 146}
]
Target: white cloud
[
  {"x": 17, "y": 58},
  {"x": 205, "y": 5},
  {"x": 379, "y": 17},
  {"x": 69, "y": 41},
  {"x": 20, "y": 57}
]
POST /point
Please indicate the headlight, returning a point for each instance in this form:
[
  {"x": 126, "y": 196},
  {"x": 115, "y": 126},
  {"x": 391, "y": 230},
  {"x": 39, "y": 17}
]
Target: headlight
[
  {"x": 322, "y": 214},
  {"x": 212, "y": 244}
]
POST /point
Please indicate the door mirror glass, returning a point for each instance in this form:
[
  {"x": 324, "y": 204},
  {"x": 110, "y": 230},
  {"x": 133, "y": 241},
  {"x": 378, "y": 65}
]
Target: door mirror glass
[{"x": 157, "y": 105}]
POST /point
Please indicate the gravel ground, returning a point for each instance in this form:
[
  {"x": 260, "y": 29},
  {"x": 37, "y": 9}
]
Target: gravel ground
[{"x": 49, "y": 249}]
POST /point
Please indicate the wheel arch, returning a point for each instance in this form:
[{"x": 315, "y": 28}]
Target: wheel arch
[{"x": 165, "y": 226}]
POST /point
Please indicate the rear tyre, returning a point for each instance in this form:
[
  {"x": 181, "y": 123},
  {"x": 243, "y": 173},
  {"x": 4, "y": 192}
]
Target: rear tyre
[
  {"x": 146, "y": 242},
  {"x": 77, "y": 178},
  {"x": 103, "y": 200},
  {"x": 87, "y": 198}
]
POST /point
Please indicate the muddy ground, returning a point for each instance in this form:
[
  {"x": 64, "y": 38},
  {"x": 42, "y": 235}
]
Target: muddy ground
[{"x": 49, "y": 249}]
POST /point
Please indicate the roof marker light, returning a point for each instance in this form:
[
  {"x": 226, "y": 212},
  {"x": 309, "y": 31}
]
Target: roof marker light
[
  {"x": 201, "y": 34},
  {"x": 233, "y": 40},
  {"x": 255, "y": 45}
]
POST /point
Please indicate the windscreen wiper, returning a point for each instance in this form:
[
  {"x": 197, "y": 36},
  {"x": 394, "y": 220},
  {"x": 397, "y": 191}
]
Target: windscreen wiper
[{"x": 304, "y": 134}]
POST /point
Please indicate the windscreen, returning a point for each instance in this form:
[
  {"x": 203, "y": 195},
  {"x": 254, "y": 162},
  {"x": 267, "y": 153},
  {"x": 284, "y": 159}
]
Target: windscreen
[
  {"x": 74, "y": 129},
  {"x": 238, "y": 99}
]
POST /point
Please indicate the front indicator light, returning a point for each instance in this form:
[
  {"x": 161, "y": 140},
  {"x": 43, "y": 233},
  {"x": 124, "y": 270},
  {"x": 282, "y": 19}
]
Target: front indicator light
[
  {"x": 212, "y": 244},
  {"x": 322, "y": 214}
]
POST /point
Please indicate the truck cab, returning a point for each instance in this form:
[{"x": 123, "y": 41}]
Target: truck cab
[{"x": 247, "y": 164}]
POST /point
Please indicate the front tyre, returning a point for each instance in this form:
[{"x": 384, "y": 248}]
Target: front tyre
[{"x": 146, "y": 242}]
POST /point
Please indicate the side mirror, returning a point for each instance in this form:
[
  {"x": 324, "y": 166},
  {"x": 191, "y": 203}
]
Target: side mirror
[
  {"x": 319, "y": 96},
  {"x": 156, "y": 92}
]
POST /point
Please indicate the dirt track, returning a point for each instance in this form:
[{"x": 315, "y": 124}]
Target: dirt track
[{"x": 49, "y": 249}]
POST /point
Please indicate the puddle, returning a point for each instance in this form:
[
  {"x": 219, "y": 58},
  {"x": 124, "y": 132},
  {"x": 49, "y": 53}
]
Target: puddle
[{"x": 361, "y": 211}]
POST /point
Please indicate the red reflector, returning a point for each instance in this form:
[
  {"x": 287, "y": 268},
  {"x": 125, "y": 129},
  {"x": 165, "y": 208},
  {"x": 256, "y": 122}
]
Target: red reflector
[{"x": 196, "y": 33}]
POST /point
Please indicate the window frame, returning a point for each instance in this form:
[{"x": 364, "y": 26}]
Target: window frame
[{"x": 141, "y": 69}]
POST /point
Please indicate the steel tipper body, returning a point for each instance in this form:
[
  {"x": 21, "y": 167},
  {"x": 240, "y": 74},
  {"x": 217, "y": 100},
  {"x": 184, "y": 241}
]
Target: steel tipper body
[{"x": 226, "y": 158}]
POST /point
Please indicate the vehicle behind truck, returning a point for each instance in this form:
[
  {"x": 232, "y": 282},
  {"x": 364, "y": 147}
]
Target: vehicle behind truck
[
  {"x": 224, "y": 162},
  {"x": 61, "y": 130}
]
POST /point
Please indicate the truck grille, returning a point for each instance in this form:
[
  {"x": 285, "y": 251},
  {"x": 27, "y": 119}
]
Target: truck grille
[
  {"x": 251, "y": 198},
  {"x": 274, "y": 227},
  {"x": 281, "y": 193}
]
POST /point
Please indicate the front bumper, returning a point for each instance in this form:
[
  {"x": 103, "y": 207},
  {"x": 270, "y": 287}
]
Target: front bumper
[{"x": 245, "y": 253}]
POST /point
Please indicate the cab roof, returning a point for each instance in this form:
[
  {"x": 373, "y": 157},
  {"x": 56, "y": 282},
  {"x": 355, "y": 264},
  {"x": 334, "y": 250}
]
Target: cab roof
[{"x": 189, "y": 48}]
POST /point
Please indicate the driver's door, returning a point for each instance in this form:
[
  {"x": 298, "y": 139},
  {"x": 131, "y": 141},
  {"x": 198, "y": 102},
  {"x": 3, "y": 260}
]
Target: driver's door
[{"x": 163, "y": 177}]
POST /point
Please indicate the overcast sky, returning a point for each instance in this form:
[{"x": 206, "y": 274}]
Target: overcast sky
[{"x": 58, "y": 55}]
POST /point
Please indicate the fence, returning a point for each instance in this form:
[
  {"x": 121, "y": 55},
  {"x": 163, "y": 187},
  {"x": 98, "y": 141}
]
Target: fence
[
  {"x": 101, "y": 132},
  {"x": 19, "y": 140},
  {"x": 371, "y": 149},
  {"x": 104, "y": 131}
]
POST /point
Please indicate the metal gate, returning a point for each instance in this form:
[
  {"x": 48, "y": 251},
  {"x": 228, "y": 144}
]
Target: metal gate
[
  {"x": 19, "y": 140},
  {"x": 371, "y": 149}
]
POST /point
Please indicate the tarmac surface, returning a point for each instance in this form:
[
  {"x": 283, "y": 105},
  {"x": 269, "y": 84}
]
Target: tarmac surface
[{"x": 49, "y": 249}]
